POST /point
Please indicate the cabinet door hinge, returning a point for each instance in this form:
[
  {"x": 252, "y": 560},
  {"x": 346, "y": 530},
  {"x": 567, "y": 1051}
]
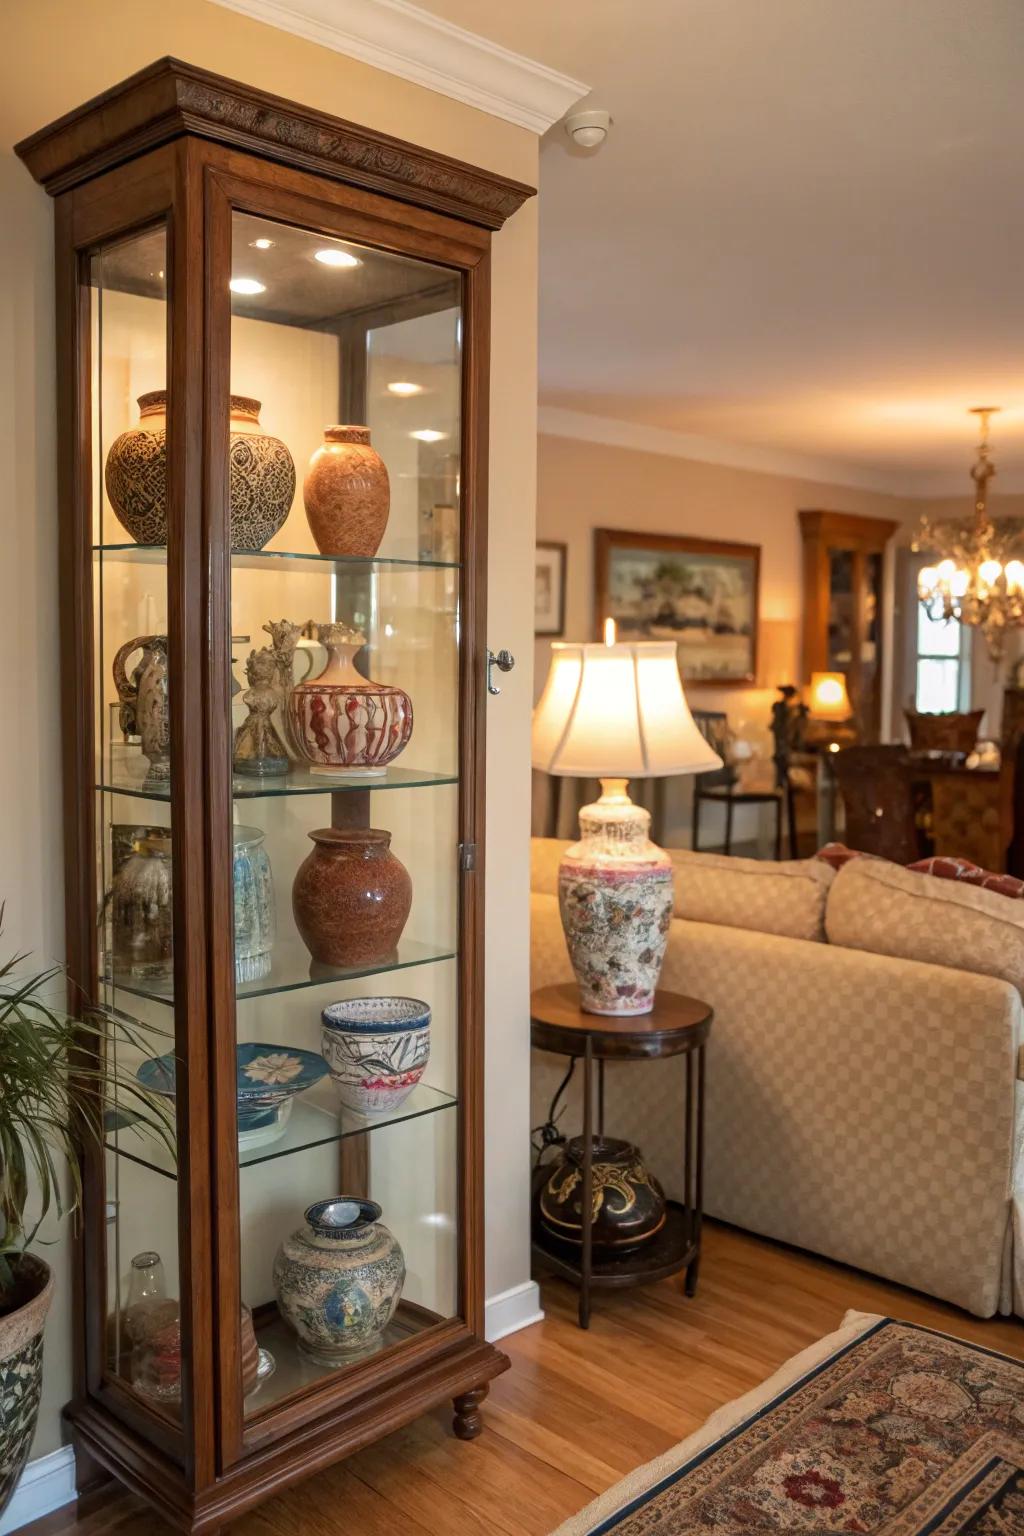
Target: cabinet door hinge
[{"x": 467, "y": 856}]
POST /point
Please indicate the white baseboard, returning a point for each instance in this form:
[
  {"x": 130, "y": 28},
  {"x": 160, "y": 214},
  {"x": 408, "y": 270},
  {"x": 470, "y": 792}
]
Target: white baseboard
[
  {"x": 509, "y": 1311},
  {"x": 46, "y": 1484}
]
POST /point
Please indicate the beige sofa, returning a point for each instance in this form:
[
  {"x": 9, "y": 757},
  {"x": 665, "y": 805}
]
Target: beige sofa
[{"x": 864, "y": 1099}]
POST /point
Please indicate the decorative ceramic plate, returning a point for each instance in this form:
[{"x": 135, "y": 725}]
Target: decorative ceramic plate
[{"x": 269, "y": 1076}]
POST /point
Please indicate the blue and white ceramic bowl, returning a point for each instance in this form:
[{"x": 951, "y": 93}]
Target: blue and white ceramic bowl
[
  {"x": 269, "y": 1077},
  {"x": 377, "y": 1049}
]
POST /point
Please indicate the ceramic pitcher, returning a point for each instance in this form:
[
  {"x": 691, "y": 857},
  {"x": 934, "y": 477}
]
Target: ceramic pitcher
[{"x": 143, "y": 695}]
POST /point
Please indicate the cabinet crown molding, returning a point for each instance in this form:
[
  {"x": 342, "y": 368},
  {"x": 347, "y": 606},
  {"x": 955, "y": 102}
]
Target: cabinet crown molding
[{"x": 169, "y": 99}]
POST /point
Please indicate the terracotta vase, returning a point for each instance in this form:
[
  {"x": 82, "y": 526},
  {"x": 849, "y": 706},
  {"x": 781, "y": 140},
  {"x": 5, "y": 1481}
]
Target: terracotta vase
[
  {"x": 347, "y": 494},
  {"x": 145, "y": 711},
  {"x": 262, "y": 475},
  {"x": 342, "y": 723},
  {"x": 627, "y": 1202},
  {"x": 351, "y": 897},
  {"x": 338, "y": 1279}
]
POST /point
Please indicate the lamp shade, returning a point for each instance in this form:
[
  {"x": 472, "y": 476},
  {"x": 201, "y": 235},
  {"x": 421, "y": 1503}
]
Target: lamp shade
[
  {"x": 829, "y": 699},
  {"x": 617, "y": 711}
]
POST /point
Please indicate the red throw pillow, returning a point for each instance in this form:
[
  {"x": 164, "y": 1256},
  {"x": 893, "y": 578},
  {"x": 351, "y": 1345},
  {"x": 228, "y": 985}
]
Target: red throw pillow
[
  {"x": 946, "y": 867},
  {"x": 837, "y": 854}
]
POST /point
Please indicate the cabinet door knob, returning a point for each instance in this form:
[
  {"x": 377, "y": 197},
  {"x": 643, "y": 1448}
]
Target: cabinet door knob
[{"x": 504, "y": 661}]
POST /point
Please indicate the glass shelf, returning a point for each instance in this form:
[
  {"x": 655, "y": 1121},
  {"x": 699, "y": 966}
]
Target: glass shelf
[
  {"x": 298, "y": 781},
  {"x": 292, "y": 562},
  {"x": 316, "y": 1120},
  {"x": 292, "y": 968}
]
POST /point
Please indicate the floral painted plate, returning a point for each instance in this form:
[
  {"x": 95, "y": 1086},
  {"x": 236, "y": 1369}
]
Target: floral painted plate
[{"x": 269, "y": 1076}]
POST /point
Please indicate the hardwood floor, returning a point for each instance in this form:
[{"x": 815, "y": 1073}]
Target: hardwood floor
[{"x": 578, "y": 1410}]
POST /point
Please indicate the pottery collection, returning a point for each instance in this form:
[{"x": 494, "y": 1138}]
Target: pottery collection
[
  {"x": 261, "y": 475},
  {"x": 347, "y": 494},
  {"x": 144, "y": 710},
  {"x": 627, "y": 1204},
  {"x": 377, "y": 1049},
  {"x": 342, "y": 723},
  {"x": 615, "y": 897},
  {"x": 351, "y": 897},
  {"x": 338, "y": 1280}
]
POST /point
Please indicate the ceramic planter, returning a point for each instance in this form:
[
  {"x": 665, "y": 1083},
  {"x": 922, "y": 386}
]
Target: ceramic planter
[
  {"x": 377, "y": 1049},
  {"x": 627, "y": 1202},
  {"x": 342, "y": 723},
  {"x": 21, "y": 1369},
  {"x": 262, "y": 475},
  {"x": 351, "y": 897},
  {"x": 347, "y": 494},
  {"x": 338, "y": 1279},
  {"x": 615, "y": 897}
]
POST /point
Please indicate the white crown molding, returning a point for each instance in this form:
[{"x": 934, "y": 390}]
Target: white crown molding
[
  {"x": 554, "y": 421},
  {"x": 404, "y": 40}
]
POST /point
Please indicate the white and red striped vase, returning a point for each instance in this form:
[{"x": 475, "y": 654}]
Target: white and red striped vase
[
  {"x": 615, "y": 897},
  {"x": 342, "y": 723}
]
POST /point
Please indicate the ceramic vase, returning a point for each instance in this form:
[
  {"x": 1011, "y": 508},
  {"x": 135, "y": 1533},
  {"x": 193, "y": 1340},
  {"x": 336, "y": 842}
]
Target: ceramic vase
[
  {"x": 615, "y": 897},
  {"x": 627, "y": 1204},
  {"x": 261, "y": 475},
  {"x": 342, "y": 723},
  {"x": 351, "y": 897},
  {"x": 377, "y": 1049},
  {"x": 255, "y": 917},
  {"x": 347, "y": 494},
  {"x": 21, "y": 1367},
  {"x": 144, "y": 709},
  {"x": 338, "y": 1279},
  {"x": 142, "y": 909}
]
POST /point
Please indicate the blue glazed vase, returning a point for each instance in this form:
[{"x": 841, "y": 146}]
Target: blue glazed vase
[
  {"x": 255, "y": 920},
  {"x": 338, "y": 1279}
]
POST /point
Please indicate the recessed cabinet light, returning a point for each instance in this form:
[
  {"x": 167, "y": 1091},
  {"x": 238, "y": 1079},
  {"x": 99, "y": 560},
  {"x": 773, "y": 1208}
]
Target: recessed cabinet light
[
  {"x": 404, "y": 387},
  {"x": 262, "y": 244},
  {"x": 332, "y": 257},
  {"x": 428, "y": 435},
  {"x": 246, "y": 285}
]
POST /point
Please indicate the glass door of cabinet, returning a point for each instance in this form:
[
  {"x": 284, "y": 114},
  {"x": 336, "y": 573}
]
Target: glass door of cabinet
[{"x": 343, "y": 485}]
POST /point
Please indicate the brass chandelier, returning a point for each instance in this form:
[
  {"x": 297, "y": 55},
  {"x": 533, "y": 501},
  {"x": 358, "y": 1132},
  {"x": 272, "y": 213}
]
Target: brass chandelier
[{"x": 979, "y": 578}]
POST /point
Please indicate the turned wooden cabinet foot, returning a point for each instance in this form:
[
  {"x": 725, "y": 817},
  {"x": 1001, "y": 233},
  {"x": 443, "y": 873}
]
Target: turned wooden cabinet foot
[{"x": 469, "y": 1421}]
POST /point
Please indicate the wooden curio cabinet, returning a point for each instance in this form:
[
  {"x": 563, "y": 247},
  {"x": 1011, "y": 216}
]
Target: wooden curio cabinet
[
  {"x": 235, "y": 274},
  {"x": 844, "y": 558}
]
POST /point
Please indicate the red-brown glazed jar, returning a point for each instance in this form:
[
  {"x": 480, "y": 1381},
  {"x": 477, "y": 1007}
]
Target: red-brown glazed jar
[{"x": 351, "y": 896}]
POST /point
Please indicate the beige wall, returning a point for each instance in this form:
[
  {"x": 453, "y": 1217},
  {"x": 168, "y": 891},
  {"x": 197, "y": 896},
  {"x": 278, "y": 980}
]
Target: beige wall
[
  {"x": 583, "y": 485},
  {"x": 56, "y": 54}
]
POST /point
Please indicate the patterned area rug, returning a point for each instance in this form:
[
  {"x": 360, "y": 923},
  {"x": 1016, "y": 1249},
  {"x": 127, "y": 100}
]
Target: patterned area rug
[{"x": 883, "y": 1427}]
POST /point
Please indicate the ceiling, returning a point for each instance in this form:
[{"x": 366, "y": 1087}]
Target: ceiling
[{"x": 804, "y": 233}]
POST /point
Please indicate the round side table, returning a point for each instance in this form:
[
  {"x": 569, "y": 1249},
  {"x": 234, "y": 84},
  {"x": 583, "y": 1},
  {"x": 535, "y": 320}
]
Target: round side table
[{"x": 676, "y": 1026}]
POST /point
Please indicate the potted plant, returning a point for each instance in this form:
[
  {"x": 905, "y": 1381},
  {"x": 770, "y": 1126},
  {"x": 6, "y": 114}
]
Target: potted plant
[{"x": 55, "y": 1089}]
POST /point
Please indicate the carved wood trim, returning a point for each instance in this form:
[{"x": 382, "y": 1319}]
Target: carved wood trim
[{"x": 170, "y": 98}]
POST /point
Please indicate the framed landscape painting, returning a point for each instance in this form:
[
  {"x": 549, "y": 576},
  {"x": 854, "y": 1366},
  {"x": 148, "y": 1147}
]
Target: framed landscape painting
[
  {"x": 549, "y": 589},
  {"x": 698, "y": 592}
]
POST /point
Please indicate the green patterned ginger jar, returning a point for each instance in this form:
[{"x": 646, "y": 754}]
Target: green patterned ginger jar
[{"x": 21, "y": 1369}]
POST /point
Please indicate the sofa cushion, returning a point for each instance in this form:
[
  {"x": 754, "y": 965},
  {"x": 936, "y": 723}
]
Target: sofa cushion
[
  {"x": 878, "y": 906},
  {"x": 545, "y": 857},
  {"x": 786, "y": 898}
]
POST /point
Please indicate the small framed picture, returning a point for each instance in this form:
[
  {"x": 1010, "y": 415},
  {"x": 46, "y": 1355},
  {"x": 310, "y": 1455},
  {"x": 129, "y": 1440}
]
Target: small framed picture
[{"x": 549, "y": 590}]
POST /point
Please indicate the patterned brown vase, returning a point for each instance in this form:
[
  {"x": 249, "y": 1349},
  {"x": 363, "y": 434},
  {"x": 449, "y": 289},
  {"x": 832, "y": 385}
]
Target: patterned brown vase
[
  {"x": 351, "y": 897},
  {"x": 262, "y": 475},
  {"x": 341, "y": 722},
  {"x": 627, "y": 1202},
  {"x": 347, "y": 493}
]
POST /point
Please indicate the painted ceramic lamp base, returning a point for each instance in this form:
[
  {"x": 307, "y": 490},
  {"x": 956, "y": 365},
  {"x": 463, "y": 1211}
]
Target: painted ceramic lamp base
[{"x": 615, "y": 897}]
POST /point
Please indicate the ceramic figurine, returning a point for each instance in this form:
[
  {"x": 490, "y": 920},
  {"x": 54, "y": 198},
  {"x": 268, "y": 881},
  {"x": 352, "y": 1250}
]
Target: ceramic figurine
[
  {"x": 342, "y": 723},
  {"x": 259, "y": 750},
  {"x": 615, "y": 897},
  {"x": 255, "y": 918},
  {"x": 377, "y": 1049},
  {"x": 627, "y": 1202},
  {"x": 144, "y": 711},
  {"x": 261, "y": 475},
  {"x": 351, "y": 897},
  {"x": 284, "y": 638},
  {"x": 347, "y": 494},
  {"x": 338, "y": 1280}
]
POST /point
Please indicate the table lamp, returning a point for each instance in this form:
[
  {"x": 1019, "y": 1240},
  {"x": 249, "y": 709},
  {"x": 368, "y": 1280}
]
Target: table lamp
[
  {"x": 616, "y": 711},
  {"x": 829, "y": 699}
]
